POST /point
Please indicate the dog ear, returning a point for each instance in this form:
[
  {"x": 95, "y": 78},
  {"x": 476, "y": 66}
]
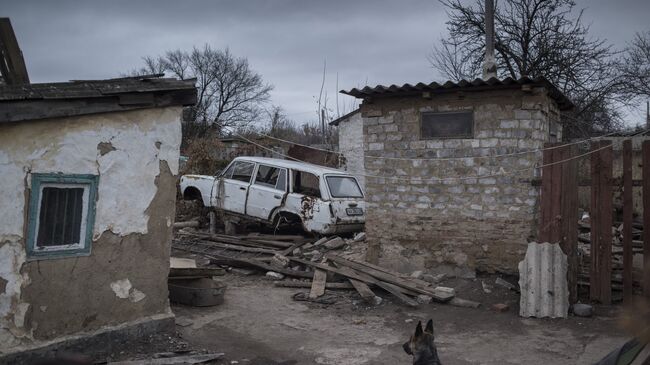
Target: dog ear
[
  {"x": 429, "y": 327},
  {"x": 418, "y": 329}
]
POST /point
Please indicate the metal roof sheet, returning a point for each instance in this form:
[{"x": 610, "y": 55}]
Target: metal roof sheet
[{"x": 476, "y": 85}]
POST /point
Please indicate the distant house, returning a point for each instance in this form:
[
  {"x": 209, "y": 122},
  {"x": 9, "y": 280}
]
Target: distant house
[
  {"x": 87, "y": 170},
  {"x": 433, "y": 196}
]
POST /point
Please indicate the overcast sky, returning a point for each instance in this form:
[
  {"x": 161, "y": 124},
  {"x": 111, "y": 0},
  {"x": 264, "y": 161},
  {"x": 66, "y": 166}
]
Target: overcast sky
[{"x": 365, "y": 42}]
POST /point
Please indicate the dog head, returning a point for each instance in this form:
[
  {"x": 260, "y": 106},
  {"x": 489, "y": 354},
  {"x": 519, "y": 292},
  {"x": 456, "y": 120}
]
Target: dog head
[{"x": 421, "y": 346}]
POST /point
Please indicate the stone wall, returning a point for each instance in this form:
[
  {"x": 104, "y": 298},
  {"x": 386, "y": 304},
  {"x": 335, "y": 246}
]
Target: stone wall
[
  {"x": 351, "y": 146},
  {"x": 124, "y": 279},
  {"x": 478, "y": 223}
]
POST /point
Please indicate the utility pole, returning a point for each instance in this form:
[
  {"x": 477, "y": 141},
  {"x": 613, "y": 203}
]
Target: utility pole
[
  {"x": 647, "y": 114},
  {"x": 489, "y": 65}
]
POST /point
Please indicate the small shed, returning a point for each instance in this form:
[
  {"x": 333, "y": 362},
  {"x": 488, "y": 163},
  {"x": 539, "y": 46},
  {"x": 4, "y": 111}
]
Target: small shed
[
  {"x": 88, "y": 174},
  {"x": 439, "y": 189}
]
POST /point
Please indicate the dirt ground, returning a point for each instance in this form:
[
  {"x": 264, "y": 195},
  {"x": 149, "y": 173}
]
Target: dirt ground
[{"x": 261, "y": 324}]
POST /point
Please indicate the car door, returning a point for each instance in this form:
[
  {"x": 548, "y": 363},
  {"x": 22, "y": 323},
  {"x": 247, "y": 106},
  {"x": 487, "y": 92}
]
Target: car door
[
  {"x": 267, "y": 191},
  {"x": 236, "y": 182}
]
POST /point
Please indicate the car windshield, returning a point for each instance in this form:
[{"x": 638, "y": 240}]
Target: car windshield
[{"x": 344, "y": 187}]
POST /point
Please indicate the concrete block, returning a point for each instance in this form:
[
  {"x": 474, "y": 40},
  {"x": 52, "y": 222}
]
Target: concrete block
[{"x": 543, "y": 283}]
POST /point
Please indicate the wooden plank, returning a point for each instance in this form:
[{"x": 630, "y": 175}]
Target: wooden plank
[
  {"x": 554, "y": 231},
  {"x": 383, "y": 269},
  {"x": 318, "y": 284},
  {"x": 646, "y": 218},
  {"x": 627, "y": 220},
  {"x": 228, "y": 246},
  {"x": 397, "y": 293},
  {"x": 356, "y": 275},
  {"x": 568, "y": 231},
  {"x": 289, "y": 250},
  {"x": 594, "y": 283},
  {"x": 364, "y": 291},
  {"x": 601, "y": 222},
  {"x": 241, "y": 262},
  {"x": 12, "y": 62},
  {"x": 606, "y": 197},
  {"x": 382, "y": 276},
  {"x": 545, "y": 201},
  {"x": 305, "y": 284}
]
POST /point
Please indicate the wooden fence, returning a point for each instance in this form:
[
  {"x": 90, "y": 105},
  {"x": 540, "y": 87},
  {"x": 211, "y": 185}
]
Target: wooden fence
[{"x": 559, "y": 214}]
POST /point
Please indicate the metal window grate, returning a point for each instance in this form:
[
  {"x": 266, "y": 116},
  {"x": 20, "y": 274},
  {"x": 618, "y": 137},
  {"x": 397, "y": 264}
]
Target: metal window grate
[{"x": 60, "y": 216}]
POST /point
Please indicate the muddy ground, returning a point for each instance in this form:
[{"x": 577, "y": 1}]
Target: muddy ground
[{"x": 261, "y": 324}]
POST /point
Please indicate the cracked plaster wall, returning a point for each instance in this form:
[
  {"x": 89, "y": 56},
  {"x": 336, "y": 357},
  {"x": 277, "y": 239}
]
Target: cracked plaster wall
[{"x": 136, "y": 156}]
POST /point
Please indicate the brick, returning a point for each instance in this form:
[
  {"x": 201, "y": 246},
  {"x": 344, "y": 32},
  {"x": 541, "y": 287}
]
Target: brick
[{"x": 500, "y": 307}]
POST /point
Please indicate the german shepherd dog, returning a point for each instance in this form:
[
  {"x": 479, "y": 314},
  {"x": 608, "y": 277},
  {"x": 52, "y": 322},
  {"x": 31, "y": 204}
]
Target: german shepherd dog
[{"x": 421, "y": 346}]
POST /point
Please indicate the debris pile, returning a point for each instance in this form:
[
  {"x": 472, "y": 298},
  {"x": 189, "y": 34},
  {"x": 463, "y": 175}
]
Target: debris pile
[
  {"x": 313, "y": 264},
  {"x": 584, "y": 251}
]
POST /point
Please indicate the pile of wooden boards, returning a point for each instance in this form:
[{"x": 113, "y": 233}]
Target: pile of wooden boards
[{"x": 305, "y": 258}]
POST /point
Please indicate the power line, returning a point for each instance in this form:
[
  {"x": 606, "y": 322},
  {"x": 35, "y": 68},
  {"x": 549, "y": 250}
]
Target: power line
[
  {"x": 460, "y": 178},
  {"x": 447, "y": 158}
]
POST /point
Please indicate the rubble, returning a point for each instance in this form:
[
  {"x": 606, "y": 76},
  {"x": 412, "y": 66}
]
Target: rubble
[
  {"x": 300, "y": 257},
  {"x": 583, "y": 310},
  {"x": 500, "y": 307},
  {"x": 274, "y": 275}
]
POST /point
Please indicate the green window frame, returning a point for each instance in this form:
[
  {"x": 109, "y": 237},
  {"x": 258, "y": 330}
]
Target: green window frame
[{"x": 72, "y": 220}]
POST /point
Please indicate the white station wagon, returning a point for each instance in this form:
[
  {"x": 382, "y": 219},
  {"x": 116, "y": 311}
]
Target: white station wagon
[{"x": 275, "y": 191}]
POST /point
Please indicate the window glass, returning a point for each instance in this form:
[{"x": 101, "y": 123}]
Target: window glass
[
  {"x": 344, "y": 187},
  {"x": 242, "y": 171},
  {"x": 306, "y": 183},
  {"x": 228, "y": 173},
  {"x": 447, "y": 125}
]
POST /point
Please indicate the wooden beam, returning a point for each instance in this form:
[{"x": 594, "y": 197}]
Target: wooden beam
[
  {"x": 627, "y": 220},
  {"x": 318, "y": 284},
  {"x": 569, "y": 216},
  {"x": 12, "y": 63},
  {"x": 600, "y": 288}
]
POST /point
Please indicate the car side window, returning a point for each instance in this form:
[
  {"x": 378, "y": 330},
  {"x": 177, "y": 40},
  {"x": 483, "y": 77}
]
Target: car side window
[
  {"x": 272, "y": 177},
  {"x": 242, "y": 171},
  {"x": 306, "y": 184},
  {"x": 228, "y": 173}
]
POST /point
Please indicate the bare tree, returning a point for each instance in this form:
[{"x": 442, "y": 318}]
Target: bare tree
[
  {"x": 537, "y": 38},
  {"x": 230, "y": 93},
  {"x": 635, "y": 67}
]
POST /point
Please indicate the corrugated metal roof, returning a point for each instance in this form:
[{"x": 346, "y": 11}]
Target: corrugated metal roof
[
  {"x": 543, "y": 282},
  {"x": 450, "y": 86}
]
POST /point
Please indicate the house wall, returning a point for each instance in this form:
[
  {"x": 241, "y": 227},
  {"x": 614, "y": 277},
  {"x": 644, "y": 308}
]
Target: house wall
[
  {"x": 124, "y": 279},
  {"x": 414, "y": 223},
  {"x": 351, "y": 146}
]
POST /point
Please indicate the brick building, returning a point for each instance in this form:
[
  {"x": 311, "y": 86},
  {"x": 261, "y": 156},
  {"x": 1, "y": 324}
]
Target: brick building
[{"x": 426, "y": 210}]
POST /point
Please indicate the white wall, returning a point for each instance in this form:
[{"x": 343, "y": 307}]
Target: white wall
[
  {"x": 141, "y": 139},
  {"x": 351, "y": 145}
]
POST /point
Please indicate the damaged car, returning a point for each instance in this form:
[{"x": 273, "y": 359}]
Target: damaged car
[{"x": 276, "y": 192}]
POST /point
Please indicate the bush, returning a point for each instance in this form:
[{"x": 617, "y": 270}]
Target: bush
[{"x": 202, "y": 157}]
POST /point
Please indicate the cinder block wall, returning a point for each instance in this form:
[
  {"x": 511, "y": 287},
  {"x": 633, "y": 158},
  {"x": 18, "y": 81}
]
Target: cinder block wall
[{"x": 474, "y": 223}]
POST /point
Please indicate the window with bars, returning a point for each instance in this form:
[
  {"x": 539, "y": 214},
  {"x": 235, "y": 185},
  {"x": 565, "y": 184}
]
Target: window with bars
[{"x": 61, "y": 215}]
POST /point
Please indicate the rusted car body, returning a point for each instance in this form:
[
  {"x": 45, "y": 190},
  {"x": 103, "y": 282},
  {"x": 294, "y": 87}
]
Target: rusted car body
[{"x": 275, "y": 191}]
